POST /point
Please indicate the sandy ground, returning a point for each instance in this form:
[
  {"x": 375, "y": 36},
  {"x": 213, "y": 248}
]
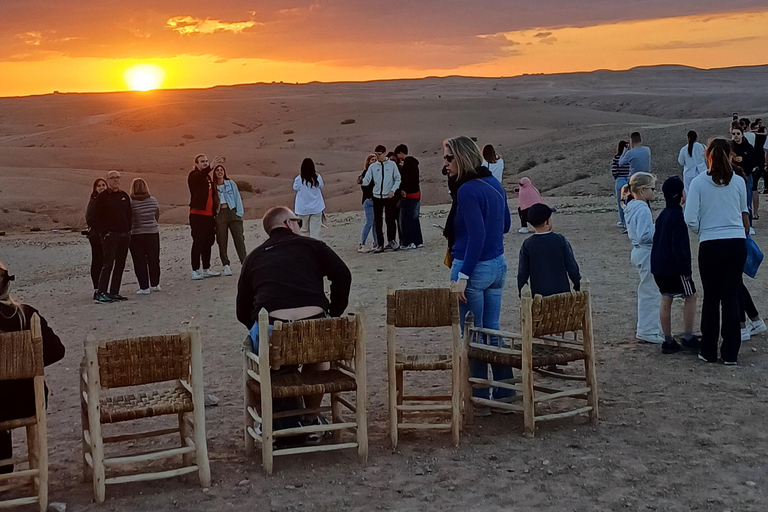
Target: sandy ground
[{"x": 676, "y": 434}]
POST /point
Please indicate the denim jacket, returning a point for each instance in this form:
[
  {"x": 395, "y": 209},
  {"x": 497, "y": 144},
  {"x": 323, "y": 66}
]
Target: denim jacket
[{"x": 228, "y": 193}]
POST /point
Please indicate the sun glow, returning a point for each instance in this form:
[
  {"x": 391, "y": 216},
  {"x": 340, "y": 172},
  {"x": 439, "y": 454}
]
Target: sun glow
[{"x": 144, "y": 77}]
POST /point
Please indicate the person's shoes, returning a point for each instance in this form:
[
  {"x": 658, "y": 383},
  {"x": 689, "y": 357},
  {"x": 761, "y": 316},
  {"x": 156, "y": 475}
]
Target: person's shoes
[
  {"x": 378, "y": 249},
  {"x": 620, "y": 224},
  {"x": 361, "y": 248},
  {"x": 756, "y": 327},
  {"x": 730, "y": 363},
  {"x": 394, "y": 245},
  {"x": 751, "y": 232},
  {"x": 116, "y": 297},
  {"x": 624, "y": 231},
  {"x": 156, "y": 288},
  {"x": 315, "y": 437},
  {"x": 650, "y": 338},
  {"x": 420, "y": 246},
  {"x": 523, "y": 231},
  {"x": 102, "y": 298},
  {"x": 672, "y": 347},
  {"x": 408, "y": 247},
  {"x": 196, "y": 275},
  {"x": 693, "y": 344},
  {"x": 145, "y": 291},
  {"x": 95, "y": 294},
  {"x": 481, "y": 412},
  {"x": 707, "y": 360},
  {"x": 227, "y": 270},
  {"x": 745, "y": 333},
  {"x": 210, "y": 273}
]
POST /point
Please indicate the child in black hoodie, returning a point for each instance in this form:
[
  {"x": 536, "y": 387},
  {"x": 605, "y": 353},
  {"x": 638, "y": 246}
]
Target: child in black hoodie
[{"x": 671, "y": 266}]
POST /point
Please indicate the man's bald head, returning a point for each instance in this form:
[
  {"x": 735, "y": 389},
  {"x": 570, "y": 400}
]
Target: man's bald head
[{"x": 276, "y": 217}]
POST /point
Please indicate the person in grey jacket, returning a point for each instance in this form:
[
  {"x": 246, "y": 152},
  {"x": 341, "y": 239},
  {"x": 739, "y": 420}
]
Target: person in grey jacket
[{"x": 385, "y": 177}]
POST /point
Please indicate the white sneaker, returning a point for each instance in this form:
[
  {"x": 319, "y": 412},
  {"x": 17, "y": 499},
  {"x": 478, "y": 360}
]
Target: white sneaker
[
  {"x": 196, "y": 275},
  {"x": 756, "y": 327},
  {"x": 620, "y": 224},
  {"x": 409, "y": 246},
  {"x": 210, "y": 273},
  {"x": 650, "y": 338},
  {"x": 420, "y": 246},
  {"x": 143, "y": 292},
  {"x": 361, "y": 248},
  {"x": 523, "y": 231},
  {"x": 156, "y": 288},
  {"x": 745, "y": 334},
  {"x": 227, "y": 270},
  {"x": 394, "y": 245}
]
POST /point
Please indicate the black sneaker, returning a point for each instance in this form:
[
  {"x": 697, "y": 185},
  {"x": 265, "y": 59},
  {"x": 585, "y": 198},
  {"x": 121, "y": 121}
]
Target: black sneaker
[
  {"x": 315, "y": 437},
  {"x": 116, "y": 297},
  {"x": 693, "y": 344},
  {"x": 671, "y": 347},
  {"x": 96, "y": 295},
  {"x": 103, "y": 298}
]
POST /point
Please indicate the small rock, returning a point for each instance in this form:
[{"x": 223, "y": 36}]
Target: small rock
[
  {"x": 243, "y": 483},
  {"x": 545, "y": 463},
  {"x": 211, "y": 400},
  {"x": 750, "y": 483},
  {"x": 290, "y": 487},
  {"x": 419, "y": 471},
  {"x": 754, "y": 349},
  {"x": 57, "y": 507}
]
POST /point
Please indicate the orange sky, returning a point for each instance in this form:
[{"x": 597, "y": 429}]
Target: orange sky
[{"x": 196, "y": 51}]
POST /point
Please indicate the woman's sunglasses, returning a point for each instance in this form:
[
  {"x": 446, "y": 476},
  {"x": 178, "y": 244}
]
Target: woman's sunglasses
[{"x": 449, "y": 158}]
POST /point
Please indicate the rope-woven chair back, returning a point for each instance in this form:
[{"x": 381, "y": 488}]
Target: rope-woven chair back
[
  {"x": 313, "y": 341},
  {"x": 429, "y": 307},
  {"x": 21, "y": 356},
  {"x": 137, "y": 361},
  {"x": 558, "y": 314}
]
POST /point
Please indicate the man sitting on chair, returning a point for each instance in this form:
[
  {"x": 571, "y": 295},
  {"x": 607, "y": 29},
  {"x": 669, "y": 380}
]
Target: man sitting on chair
[{"x": 284, "y": 275}]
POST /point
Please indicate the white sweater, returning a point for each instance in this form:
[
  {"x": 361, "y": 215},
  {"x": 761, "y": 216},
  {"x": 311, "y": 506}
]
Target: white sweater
[
  {"x": 309, "y": 200},
  {"x": 714, "y": 211},
  {"x": 639, "y": 222},
  {"x": 496, "y": 168},
  {"x": 692, "y": 165}
]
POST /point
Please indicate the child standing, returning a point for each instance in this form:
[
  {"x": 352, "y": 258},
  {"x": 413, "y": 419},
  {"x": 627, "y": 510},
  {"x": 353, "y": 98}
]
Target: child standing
[
  {"x": 671, "y": 267},
  {"x": 529, "y": 196},
  {"x": 637, "y": 214},
  {"x": 546, "y": 258}
]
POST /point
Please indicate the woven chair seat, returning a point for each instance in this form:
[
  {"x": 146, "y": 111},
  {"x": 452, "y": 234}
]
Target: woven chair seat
[
  {"x": 423, "y": 362},
  {"x": 543, "y": 355},
  {"x": 297, "y": 384},
  {"x": 145, "y": 405}
]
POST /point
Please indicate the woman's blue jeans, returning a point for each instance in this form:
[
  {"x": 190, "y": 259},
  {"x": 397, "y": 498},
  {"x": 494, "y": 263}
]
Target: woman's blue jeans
[
  {"x": 368, "y": 226},
  {"x": 483, "y": 293}
]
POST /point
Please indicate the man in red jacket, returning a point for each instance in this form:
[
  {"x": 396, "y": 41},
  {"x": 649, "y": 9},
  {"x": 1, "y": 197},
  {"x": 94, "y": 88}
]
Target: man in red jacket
[{"x": 203, "y": 204}]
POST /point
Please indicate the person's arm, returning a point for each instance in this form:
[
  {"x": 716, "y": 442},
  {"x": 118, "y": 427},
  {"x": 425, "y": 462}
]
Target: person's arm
[
  {"x": 470, "y": 213},
  {"x": 571, "y": 266},
  {"x": 614, "y": 168},
  {"x": 691, "y": 210},
  {"x": 320, "y": 183},
  {"x": 239, "y": 209},
  {"x": 681, "y": 156},
  {"x": 681, "y": 247},
  {"x": 624, "y": 160},
  {"x": 396, "y": 178},
  {"x": 129, "y": 211},
  {"x": 245, "y": 296},
  {"x": 89, "y": 213},
  {"x": 368, "y": 176},
  {"x": 507, "y": 216},
  {"x": 297, "y": 183},
  {"x": 98, "y": 213},
  {"x": 53, "y": 348},
  {"x": 523, "y": 269},
  {"x": 338, "y": 274},
  {"x": 646, "y": 227},
  {"x": 157, "y": 211}
]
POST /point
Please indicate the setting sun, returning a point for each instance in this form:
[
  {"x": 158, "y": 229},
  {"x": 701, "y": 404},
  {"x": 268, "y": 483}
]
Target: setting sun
[{"x": 144, "y": 77}]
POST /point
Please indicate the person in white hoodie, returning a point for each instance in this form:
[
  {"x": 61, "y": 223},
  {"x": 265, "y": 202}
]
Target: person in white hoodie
[
  {"x": 716, "y": 209},
  {"x": 309, "y": 204},
  {"x": 385, "y": 176},
  {"x": 691, "y": 157},
  {"x": 640, "y": 229}
]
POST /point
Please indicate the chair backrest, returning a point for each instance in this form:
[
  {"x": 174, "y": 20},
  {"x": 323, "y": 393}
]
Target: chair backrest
[
  {"x": 21, "y": 352},
  {"x": 137, "y": 361},
  {"x": 429, "y": 307},
  {"x": 313, "y": 341},
  {"x": 558, "y": 314}
]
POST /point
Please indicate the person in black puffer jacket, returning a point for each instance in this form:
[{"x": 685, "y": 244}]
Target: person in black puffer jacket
[
  {"x": 411, "y": 200},
  {"x": 94, "y": 237}
]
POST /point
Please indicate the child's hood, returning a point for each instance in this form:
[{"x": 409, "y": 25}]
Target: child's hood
[{"x": 635, "y": 207}]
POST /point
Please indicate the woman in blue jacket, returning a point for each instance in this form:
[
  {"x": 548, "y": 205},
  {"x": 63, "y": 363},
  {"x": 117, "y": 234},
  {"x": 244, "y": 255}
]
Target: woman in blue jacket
[
  {"x": 229, "y": 218},
  {"x": 475, "y": 229}
]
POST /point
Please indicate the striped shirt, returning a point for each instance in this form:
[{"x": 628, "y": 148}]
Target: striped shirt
[
  {"x": 619, "y": 171},
  {"x": 145, "y": 215}
]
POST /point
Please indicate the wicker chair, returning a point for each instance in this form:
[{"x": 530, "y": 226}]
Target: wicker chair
[
  {"x": 544, "y": 322},
  {"x": 338, "y": 340},
  {"x": 136, "y": 362},
  {"x": 438, "y": 307},
  {"x": 21, "y": 357}
]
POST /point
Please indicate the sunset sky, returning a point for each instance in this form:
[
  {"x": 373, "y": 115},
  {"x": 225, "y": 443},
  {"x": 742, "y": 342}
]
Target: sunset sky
[{"x": 79, "y": 45}]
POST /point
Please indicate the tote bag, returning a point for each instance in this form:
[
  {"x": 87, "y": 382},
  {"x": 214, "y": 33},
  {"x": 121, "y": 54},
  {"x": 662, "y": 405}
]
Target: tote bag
[{"x": 754, "y": 258}]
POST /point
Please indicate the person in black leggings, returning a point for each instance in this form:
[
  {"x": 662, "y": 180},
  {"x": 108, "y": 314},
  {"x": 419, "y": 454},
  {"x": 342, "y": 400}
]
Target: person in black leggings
[{"x": 97, "y": 252}]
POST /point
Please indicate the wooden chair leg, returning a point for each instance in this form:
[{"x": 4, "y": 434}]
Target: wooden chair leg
[
  {"x": 400, "y": 393},
  {"x": 32, "y": 447},
  {"x": 392, "y": 385},
  {"x": 198, "y": 401},
  {"x": 266, "y": 432},
  {"x": 336, "y": 416},
  {"x": 87, "y": 470},
  {"x": 42, "y": 458},
  {"x": 184, "y": 433},
  {"x": 592, "y": 397},
  {"x": 362, "y": 420}
]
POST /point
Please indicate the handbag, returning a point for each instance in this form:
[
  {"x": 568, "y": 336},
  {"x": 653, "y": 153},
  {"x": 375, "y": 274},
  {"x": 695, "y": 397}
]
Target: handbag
[
  {"x": 754, "y": 258},
  {"x": 448, "y": 259}
]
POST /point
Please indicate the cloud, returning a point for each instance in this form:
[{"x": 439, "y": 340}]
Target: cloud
[
  {"x": 190, "y": 25},
  {"x": 691, "y": 45}
]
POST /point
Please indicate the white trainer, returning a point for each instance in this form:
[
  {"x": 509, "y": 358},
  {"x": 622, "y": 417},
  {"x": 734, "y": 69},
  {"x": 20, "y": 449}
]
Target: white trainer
[
  {"x": 523, "y": 231},
  {"x": 156, "y": 288},
  {"x": 361, "y": 248},
  {"x": 227, "y": 270},
  {"x": 758, "y": 326},
  {"x": 210, "y": 273},
  {"x": 650, "y": 338},
  {"x": 745, "y": 334},
  {"x": 145, "y": 291},
  {"x": 196, "y": 275}
]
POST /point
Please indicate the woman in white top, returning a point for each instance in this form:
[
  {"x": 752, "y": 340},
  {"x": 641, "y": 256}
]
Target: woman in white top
[
  {"x": 493, "y": 162},
  {"x": 716, "y": 209},
  {"x": 692, "y": 159},
  {"x": 309, "y": 204},
  {"x": 229, "y": 219}
]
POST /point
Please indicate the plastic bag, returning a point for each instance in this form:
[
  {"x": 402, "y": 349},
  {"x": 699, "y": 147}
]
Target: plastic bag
[{"x": 754, "y": 258}]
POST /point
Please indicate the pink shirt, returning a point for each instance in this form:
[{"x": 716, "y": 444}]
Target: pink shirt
[{"x": 529, "y": 195}]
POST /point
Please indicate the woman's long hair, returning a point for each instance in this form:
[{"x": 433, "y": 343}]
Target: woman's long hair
[
  {"x": 7, "y": 300},
  {"x": 96, "y": 184},
  {"x": 368, "y": 161},
  {"x": 215, "y": 179},
  {"x": 719, "y": 161},
  {"x": 622, "y": 145},
  {"x": 139, "y": 188},
  {"x": 466, "y": 152},
  {"x": 641, "y": 180},
  {"x": 490, "y": 154},
  {"x": 692, "y": 137},
  {"x": 308, "y": 173}
]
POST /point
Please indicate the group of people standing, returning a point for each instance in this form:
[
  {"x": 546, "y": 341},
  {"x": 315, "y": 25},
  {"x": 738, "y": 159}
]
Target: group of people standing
[{"x": 713, "y": 200}]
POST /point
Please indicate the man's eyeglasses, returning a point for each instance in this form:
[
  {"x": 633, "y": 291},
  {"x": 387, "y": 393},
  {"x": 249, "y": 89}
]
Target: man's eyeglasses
[
  {"x": 296, "y": 220},
  {"x": 449, "y": 158}
]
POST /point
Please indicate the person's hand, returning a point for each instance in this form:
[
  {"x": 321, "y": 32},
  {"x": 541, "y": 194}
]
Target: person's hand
[
  {"x": 737, "y": 159},
  {"x": 402, "y": 193},
  {"x": 360, "y": 180},
  {"x": 390, "y": 195},
  {"x": 460, "y": 287}
]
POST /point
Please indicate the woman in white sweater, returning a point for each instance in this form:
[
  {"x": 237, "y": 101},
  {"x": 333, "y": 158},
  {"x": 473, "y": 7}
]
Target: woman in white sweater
[
  {"x": 640, "y": 229},
  {"x": 493, "y": 161},
  {"x": 309, "y": 205},
  {"x": 691, "y": 157},
  {"x": 716, "y": 209}
]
